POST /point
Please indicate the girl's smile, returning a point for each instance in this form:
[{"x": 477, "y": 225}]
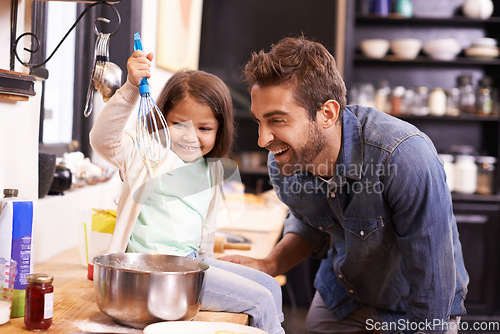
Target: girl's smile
[{"x": 193, "y": 129}]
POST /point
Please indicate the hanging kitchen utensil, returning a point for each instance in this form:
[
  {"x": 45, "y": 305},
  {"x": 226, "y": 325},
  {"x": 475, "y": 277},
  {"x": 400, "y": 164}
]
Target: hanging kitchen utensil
[
  {"x": 153, "y": 137},
  {"x": 89, "y": 105},
  {"x": 99, "y": 52},
  {"x": 106, "y": 76}
]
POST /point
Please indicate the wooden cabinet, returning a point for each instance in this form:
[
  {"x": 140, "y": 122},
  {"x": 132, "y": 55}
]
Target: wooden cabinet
[
  {"x": 477, "y": 222},
  {"x": 477, "y": 216}
]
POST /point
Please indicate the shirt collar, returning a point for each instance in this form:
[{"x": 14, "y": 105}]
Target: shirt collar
[{"x": 350, "y": 162}]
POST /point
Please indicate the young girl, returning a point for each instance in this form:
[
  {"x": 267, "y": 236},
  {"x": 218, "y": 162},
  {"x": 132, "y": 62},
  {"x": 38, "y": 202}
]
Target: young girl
[{"x": 171, "y": 209}]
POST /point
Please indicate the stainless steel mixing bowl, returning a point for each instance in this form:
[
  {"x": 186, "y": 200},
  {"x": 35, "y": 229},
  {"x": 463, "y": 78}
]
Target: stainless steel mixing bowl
[{"x": 138, "y": 289}]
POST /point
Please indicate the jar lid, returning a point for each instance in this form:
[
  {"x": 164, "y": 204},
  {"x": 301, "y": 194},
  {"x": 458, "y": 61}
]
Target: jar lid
[
  {"x": 446, "y": 157},
  {"x": 465, "y": 158},
  {"x": 486, "y": 159},
  {"x": 464, "y": 80},
  {"x": 10, "y": 192},
  {"x": 398, "y": 91},
  {"x": 485, "y": 81},
  {"x": 40, "y": 278},
  {"x": 462, "y": 150}
]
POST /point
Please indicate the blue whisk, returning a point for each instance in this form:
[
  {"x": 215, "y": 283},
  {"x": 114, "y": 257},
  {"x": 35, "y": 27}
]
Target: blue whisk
[{"x": 153, "y": 137}]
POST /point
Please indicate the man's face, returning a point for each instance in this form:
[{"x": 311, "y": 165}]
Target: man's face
[{"x": 286, "y": 130}]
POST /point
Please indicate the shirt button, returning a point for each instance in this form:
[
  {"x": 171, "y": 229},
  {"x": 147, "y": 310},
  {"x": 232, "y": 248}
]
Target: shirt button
[
  {"x": 340, "y": 275},
  {"x": 362, "y": 233},
  {"x": 351, "y": 291},
  {"x": 332, "y": 195}
]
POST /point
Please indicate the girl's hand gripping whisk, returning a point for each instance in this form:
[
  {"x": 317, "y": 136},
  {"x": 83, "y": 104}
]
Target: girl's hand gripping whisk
[{"x": 153, "y": 137}]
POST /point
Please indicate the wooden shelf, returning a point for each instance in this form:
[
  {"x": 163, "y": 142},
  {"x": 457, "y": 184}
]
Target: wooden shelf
[
  {"x": 423, "y": 60},
  {"x": 476, "y": 198},
  {"x": 16, "y": 86},
  {"x": 460, "y": 118},
  {"x": 454, "y": 21}
]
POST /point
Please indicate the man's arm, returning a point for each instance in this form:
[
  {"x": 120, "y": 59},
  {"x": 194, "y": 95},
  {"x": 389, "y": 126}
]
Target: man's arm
[{"x": 287, "y": 253}]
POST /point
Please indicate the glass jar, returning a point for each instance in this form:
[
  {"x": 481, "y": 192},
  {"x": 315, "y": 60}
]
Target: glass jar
[
  {"x": 437, "y": 102},
  {"x": 39, "y": 304},
  {"x": 484, "y": 97},
  {"x": 382, "y": 96},
  {"x": 485, "y": 174},
  {"x": 453, "y": 102},
  {"x": 397, "y": 100},
  {"x": 467, "y": 94},
  {"x": 421, "y": 102},
  {"x": 366, "y": 94},
  {"x": 465, "y": 174},
  {"x": 449, "y": 169},
  {"x": 408, "y": 101}
]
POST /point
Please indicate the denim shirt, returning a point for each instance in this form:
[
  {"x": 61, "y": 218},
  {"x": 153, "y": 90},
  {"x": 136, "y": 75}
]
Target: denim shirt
[{"x": 384, "y": 223}]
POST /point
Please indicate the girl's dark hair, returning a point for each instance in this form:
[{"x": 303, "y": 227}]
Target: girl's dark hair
[
  {"x": 306, "y": 66},
  {"x": 207, "y": 89}
]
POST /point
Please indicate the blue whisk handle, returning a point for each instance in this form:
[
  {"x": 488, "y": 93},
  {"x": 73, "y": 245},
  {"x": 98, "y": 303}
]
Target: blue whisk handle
[
  {"x": 144, "y": 87},
  {"x": 137, "y": 42}
]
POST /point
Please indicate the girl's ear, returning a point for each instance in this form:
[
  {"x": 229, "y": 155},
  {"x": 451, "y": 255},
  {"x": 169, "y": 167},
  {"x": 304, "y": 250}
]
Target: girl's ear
[{"x": 328, "y": 114}]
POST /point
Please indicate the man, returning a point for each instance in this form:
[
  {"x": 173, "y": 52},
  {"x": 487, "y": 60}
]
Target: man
[{"x": 365, "y": 190}]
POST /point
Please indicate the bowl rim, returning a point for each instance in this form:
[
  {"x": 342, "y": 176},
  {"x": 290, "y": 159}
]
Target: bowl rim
[
  {"x": 368, "y": 40},
  {"x": 407, "y": 39},
  {"x": 204, "y": 265}
]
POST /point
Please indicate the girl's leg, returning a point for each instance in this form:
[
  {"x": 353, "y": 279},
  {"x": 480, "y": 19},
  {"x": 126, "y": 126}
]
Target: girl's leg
[
  {"x": 255, "y": 275},
  {"x": 235, "y": 288}
]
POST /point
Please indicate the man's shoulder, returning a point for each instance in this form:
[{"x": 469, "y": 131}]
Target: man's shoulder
[{"x": 380, "y": 129}]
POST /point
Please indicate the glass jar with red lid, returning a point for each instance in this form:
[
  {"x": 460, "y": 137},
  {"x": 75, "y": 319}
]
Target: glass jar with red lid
[{"x": 39, "y": 304}]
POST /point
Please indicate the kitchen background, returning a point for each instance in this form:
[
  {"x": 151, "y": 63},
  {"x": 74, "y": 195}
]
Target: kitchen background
[{"x": 230, "y": 30}]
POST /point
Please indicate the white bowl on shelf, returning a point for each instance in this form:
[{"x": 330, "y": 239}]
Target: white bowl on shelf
[
  {"x": 374, "y": 48},
  {"x": 406, "y": 48},
  {"x": 484, "y": 52},
  {"x": 485, "y": 41},
  {"x": 442, "y": 49}
]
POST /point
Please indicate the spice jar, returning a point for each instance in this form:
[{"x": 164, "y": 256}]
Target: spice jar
[
  {"x": 39, "y": 303},
  {"x": 465, "y": 174},
  {"x": 485, "y": 174}
]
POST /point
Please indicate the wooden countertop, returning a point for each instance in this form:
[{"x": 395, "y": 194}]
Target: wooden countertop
[{"x": 75, "y": 309}]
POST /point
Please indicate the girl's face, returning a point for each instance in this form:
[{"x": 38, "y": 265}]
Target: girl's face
[{"x": 193, "y": 129}]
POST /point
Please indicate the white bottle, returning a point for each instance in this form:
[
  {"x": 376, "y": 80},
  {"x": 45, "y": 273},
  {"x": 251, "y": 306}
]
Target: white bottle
[
  {"x": 465, "y": 174},
  {"x": 437, "y": 102},
  {"x": 449, "y": 169}
]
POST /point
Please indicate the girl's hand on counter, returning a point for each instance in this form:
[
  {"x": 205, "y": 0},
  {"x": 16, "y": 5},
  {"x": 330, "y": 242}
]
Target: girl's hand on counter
[{"x": 139, "y": 66}]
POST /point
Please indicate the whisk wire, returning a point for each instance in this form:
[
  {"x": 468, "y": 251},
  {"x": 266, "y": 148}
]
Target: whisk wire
[{"x": 153, "y": 136}]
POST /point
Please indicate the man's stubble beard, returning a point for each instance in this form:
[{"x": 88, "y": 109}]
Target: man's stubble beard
[{"x": 305, "y": 156}]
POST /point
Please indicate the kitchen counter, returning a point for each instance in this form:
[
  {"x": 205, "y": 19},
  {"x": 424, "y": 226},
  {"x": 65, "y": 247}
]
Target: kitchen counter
[{"x": 75, "y": 309}]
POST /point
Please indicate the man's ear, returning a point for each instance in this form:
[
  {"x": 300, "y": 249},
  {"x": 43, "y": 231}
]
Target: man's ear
[{"x": 328, "y": 114}]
